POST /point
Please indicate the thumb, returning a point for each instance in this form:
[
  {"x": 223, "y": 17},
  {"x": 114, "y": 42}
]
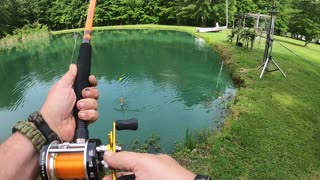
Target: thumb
[
  {"x": 122, "y": 160},
  {"x": 69, "y": 77}
]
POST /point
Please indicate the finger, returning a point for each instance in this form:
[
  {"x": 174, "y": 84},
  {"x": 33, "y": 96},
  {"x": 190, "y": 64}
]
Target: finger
[
  {"x": 167, "y": 158},
  {"x": 122, "y": 160},
  {"x": 109, "y": 177},
  {"x": 69, "y": 77},
  {"x": 87, "y": 104},
  {"x": 120, "y": 175},
  {"x": 90, "y": 92},
  {"x": 93, "y": 81},
  {"x": 126, "y": 176},
  {"x": 89, "y": 115}
]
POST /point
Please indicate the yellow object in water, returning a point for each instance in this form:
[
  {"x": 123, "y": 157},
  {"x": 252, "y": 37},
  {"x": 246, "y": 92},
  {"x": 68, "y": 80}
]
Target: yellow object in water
[{"x": 120, "y": 78}]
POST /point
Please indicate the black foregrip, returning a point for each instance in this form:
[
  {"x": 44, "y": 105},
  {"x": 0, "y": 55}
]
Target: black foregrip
[
  {"x": 127, "y": 177},
  {"x": 130, "y": 124},
  {"x": 81, "y": 82}
]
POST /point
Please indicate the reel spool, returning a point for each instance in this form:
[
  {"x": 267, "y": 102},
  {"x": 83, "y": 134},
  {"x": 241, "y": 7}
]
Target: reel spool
[
  {"x": 71, "y": 161},
  {"x": 80, "y": 160}
]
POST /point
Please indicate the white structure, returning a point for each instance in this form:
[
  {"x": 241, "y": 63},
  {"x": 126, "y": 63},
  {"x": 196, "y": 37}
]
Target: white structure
[{"x": 211, "y": 29}]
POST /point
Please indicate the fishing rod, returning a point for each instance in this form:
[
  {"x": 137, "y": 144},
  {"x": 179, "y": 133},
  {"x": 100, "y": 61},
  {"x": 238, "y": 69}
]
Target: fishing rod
[
  {"x": 83, "y": 158},
  {"x": 83, "y": 73}
]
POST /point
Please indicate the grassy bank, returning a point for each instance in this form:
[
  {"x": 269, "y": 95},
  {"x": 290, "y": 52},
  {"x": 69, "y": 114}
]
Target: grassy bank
[{"x": 273, "y": 130}]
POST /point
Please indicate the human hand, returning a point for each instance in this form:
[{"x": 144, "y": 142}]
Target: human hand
[
  {"x": 147, "y": 166},
  {"x": 57, "y": 110}
]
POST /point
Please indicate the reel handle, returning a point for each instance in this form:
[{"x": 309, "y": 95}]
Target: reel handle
[{"x": 130, "y": 124}]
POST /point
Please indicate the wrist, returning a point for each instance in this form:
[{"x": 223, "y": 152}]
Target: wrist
[
  {"x": 46, "y": 115},
  {"x": 22, "y": 141},
  {"x": 36, "y": 130},
  {"x": 30, "y": 131},
  {"x": 37, "y": 119}
]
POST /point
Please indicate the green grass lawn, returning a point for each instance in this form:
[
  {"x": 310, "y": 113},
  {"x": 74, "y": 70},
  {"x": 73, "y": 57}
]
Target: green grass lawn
[{"x": 273, "y": 130}]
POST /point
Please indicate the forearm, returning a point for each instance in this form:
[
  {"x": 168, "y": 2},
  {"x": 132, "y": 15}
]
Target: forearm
[{"x": 18, "y": 158}]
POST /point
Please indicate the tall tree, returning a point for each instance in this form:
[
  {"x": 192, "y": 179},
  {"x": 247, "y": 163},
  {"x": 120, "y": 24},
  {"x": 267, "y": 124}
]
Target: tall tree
[
  {"x": 201, "y": 10},
  {"x": 306, "y": 20},
  {"x": 246, "y": 6},
  {"x": 151, "y": 12},
  {"x": 284, "y": 10},
  {"x": 219, "y": 11},
  {"x": 5, "y": 18},
  {"x": 104, "y": 13},
  {"x": 298, "y": 17},
  {"x": 66, "y": 14},
  {"x": 167, "y": 11}
]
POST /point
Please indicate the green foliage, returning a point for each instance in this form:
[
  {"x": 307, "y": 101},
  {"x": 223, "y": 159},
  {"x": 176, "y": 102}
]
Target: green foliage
[
  {"x": 190, "y": 140},
  {"x": 30, "y": 29},
  {"x": 65, "y": 14},
  {"x": 150, "y": 145},
  {"x": 246, "y": 6},
  {"x": 297, "y": 17},
  {"x": 5, "y": 16},
  {"x": 199, "y": 9},
  {"x": 29, "y": 33},
  {"x": 306, "y": 20},
  {"x": 194, "y": 138},
  {"x": 284, "y": 9},
  {"x": 247, "y": 36}
]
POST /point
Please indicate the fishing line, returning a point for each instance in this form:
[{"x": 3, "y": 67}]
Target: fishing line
[
  {"x": 75, "y": 34},
  {"x": 121, "y": 98},
  {"x": 307, "y": 61}
]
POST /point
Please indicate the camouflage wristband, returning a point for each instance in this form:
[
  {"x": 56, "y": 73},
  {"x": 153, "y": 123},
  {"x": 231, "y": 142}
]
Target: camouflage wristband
[
  {"x": 37, "y": 119},
  {"x": 29, "y": 130}
]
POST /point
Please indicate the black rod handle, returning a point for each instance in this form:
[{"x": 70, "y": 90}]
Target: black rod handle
[{"x": 81, "y": 82}]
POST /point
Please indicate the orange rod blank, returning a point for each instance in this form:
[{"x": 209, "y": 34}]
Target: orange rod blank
[
  {"x": 89, "y": 22},
  {"x": 70, "y": 165}
]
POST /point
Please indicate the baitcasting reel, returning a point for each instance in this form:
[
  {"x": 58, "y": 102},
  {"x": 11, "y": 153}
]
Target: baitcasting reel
[{"x": 80, "y": 160}]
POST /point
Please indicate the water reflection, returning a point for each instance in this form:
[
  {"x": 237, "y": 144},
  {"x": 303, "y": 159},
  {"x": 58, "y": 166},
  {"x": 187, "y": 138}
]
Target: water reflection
[{"x": 140, "y": 60}]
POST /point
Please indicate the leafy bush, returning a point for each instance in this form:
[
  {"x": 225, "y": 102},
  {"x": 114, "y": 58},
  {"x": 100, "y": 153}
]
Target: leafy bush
[
  {"x": 29, "y": 32},
  {"x": 247, "y": 35},
  {"x": 150, "y": 145}
]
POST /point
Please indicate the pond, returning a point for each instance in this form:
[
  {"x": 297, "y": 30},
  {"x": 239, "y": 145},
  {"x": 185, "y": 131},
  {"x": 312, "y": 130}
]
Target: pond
[{"x": 170, "y": 81}]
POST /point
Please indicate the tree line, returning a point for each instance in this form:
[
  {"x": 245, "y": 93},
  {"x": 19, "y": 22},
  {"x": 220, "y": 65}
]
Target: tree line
[{"x": 294, "y": 16}]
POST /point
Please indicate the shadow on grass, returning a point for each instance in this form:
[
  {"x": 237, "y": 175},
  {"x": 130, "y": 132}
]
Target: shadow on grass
[{"x": 290, "y": 42}]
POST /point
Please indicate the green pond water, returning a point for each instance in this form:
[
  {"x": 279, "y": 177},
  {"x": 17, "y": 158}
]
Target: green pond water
[{"x": 171, "y": 81}]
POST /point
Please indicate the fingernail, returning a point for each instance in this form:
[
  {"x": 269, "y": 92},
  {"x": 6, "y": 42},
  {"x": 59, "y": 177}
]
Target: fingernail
[
  {"x": 82, "y": 115},
  {"x": 81, "y": 105},
  {"x": 87, "y": 92}
]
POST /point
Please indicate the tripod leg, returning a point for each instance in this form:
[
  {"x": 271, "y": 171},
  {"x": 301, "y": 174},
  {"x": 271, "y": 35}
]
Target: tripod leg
[
  {"x": 264, "y": 67},
  {"x": 278, "y": 67}
]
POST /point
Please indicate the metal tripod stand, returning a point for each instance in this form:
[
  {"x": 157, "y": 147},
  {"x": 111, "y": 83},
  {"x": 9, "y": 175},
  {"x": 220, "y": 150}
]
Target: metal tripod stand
[{"x": 267, "y": 58}]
